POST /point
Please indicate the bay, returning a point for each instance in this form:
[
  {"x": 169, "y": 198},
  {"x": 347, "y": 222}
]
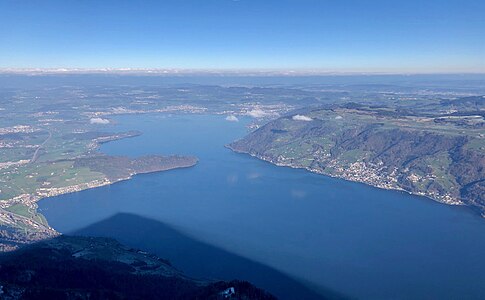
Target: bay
[{"x": 328, "y": 233}]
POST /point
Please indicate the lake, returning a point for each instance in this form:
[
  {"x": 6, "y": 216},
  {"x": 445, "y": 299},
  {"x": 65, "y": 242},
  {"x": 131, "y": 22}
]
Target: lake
[{"x": 328, "y": 233}]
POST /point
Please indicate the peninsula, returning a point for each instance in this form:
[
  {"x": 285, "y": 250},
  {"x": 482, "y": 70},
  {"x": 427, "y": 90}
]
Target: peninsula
[{"x": 50, "y": 172}]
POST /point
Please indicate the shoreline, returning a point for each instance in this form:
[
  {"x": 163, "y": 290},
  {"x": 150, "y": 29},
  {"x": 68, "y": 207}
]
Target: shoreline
[
  {"x": 37, "y": 230},
  {"x": 397, "y": 189}
]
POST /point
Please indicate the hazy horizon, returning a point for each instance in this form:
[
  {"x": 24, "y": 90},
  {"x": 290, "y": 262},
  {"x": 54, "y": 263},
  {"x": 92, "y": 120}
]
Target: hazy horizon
[{"x": 220, "y": 71}]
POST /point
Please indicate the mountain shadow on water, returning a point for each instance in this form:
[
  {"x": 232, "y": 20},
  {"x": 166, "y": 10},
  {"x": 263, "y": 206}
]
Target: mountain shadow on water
[{"x": 200, "y": 259}]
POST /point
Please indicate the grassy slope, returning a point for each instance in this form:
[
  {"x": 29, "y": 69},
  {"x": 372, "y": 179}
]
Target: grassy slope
[{"x": 442, "y": 160}]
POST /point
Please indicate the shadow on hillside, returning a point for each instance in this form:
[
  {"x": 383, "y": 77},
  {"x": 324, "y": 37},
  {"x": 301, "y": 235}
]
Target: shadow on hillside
[
  {"x": 82, "y": 267},
  {"x": 198, "y": 259}
]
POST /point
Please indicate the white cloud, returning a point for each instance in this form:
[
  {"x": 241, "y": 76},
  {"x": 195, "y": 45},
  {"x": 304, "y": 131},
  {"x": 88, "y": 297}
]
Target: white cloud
[
  {"x": 119, "y": 110},
  {"x": 257, "y": 113},
  {"x": 98, "y": 121},
  {"x": 232, "y": 119},
  {"x": 302, "y": 118}
]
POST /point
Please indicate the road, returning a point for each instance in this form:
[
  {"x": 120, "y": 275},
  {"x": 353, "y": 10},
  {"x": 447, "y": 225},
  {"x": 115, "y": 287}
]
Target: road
[{"x": 36, "y": 153}]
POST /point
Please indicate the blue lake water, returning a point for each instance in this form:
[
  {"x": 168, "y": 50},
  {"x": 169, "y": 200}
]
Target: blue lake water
[{"x": 355, "y": 239}]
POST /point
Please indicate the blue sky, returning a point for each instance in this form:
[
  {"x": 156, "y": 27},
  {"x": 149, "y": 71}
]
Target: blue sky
[{"x": 328, "y": 35}]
